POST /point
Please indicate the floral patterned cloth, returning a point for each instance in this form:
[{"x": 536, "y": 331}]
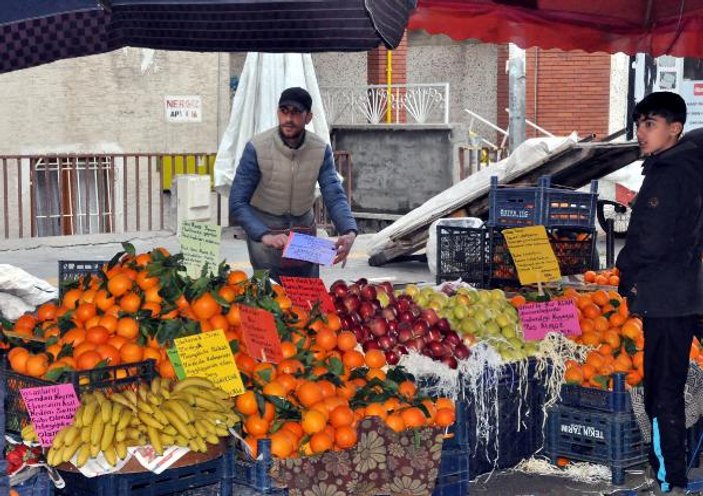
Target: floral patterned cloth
[{"x": 383, "y": 462}]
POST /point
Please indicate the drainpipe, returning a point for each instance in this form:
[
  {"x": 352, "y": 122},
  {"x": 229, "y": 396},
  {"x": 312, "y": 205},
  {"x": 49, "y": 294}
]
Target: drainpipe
[
  {"x": 516, "y": 95},
  {"x": 389, "y": 81}
]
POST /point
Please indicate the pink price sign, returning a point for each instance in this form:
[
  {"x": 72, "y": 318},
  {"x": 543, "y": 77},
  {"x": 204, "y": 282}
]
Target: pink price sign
[
  {"x": 538, "y": 319},
  {"x": 51, "y": 408}
]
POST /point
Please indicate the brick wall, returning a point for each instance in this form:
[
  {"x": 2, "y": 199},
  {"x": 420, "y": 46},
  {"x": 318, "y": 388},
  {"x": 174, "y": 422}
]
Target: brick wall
[
  {"x": 565, "y": 91},
  {"x": 376, "y": 68}
]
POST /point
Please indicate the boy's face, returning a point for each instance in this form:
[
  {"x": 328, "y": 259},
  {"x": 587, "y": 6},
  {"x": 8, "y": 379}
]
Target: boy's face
[{"x": 655, "y": 134}]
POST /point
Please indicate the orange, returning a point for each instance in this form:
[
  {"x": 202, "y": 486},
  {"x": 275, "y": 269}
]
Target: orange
[
  {"x": 152, "y": 354},
  {"x": 589, "y": 276},
  {"x": 345, "y": 437},
  {"x": 413, "y": 417},
  {"x": 376, "y": 374},
  {"x": 245, "y": 363},
  {"x": 445, "y": 417},
  {"x": 88, "y": 360},
  {"x": 83, "y": 347},
  {"x": 346, "y": 341},
  {"x": 591, "y": 311},
  {"x": 320, "y": 442},
  {"x": 281, "y": 445},
  {"x": 227, "y": 294},
  {"x": 37, "y": 365},
  {"x": 287, "y": 381},
  {"x": 166, "y": 369},
  {"x": 205, "y": 306},
  {"x": 131, "y": 352},
  {"x": 573, "y": 375},
  {"x": 233, "y": 316},
  {"x": 97, "y": 335},
  {"x": 326, "y": 339},
  {"x": 601, "y": 280},
  {"x": 341, "y": 416},
  {"x": 375, "y": 358},
  {"x": 601, "y": 324},
  {"x": 518, "y": 300},
  {"x": 130, "y": 302},
  {"x": 313, "y": 422},
  {"x": 407, "y": 389},
  {"x": 333, "y": 321},
  {"x": 71, "y": 297},
  {"x": 119, "y": 284},
  {"x": 327, "y": 388},
  {"x": 109, "y": 353},
  {"x": 294, "y": 428},
  {"x": 353, "y": 359},
  {"x": 117, "y": 341},
  {"x": 308, "y": 394},
  {"x": 47, "y": 311},
  {"x": 18, "y": 360},
  {"x": 236, "y": 277},
  {"x": 128, "y": 327},
  {"x": 600, "y": 298},
  {"x": 256, "y": 425},
  {"x": 145, "y": 282},
  {"x": 395, "y": 422},
  {"x": 246, "y": 403},
  {"x": 109, "y": 322},
  {"x": 376, "y": 410},
  {"x": 75, "y": 336},
  {"x": 275, "y": 388},
  {"x": 290, "y": 366}
]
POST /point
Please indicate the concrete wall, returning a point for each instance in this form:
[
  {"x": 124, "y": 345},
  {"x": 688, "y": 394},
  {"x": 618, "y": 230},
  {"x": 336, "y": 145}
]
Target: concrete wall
[
  {"x": 619, "y": 71},
  {"x": 114, "y": 102},
  {"x": 396, "y": 168}
]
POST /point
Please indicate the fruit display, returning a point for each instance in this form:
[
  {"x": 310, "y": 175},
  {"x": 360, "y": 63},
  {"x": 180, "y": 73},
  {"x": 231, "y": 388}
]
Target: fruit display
[
  {"x": 395, "y": 324},
  {"x": 479, "y": 315},
  {"x": 312, "y": 400},
  {"x": 19, "y": 455},
  {"x": 191, "y": 413}
]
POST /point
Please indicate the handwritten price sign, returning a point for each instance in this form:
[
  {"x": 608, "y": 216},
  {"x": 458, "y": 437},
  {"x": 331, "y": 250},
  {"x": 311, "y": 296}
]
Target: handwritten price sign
[
  {"x": 306, "y": 291},
  {"x": 310, "y": 249},
  {"x": 200, "y": 244},
  {"x": 51, "y": 408},
  {"x": 260, "y": 334},
  {"x": 208, "y": 355},
  {"x": 533, "y": 255},
  {"x": 553, "y": 316}
]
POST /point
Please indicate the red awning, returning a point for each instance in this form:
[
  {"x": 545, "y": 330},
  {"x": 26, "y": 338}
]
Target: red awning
[{"x": 657, "y": 27}]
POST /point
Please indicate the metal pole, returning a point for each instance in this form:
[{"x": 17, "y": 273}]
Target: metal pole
[
  {"x": 516, "y": 79},
  {"x": 609, "y": 243},
  {"x": 389, "y": 82}
]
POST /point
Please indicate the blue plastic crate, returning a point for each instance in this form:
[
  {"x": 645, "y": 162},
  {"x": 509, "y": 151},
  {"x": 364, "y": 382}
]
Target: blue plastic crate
[
  {"x": 615, "y": 401},
  {"x": 511, "y": 206},
  {"x": 38, "y": 485},
  {"x": 243, "y": 490},
  {"x": 171, "y": 481},
  {"x": 255, "y": 474},
  {"x": 612, "y": 439},
  {"x": 454, "y": 475},
  {"x": 567, "y": 208}
]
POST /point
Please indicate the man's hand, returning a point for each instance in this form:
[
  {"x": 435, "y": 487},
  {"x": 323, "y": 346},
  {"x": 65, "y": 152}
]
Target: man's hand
[
  {"x": 344, "y": 244},
  {"x": 277, "y": 241}
]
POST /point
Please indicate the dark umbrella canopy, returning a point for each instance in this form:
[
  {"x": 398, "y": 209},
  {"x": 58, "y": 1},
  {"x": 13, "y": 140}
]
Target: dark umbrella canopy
[{"x": 40, "y": 31}]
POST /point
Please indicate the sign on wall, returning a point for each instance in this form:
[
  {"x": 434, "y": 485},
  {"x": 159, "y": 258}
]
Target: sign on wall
[{"x": 183, "y": 108}]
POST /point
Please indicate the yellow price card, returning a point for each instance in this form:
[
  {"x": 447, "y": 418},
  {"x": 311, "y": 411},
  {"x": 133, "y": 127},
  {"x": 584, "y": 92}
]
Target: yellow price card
[
  {"x": 208, "y": 355},
  {"x": 532, "y": 254}
]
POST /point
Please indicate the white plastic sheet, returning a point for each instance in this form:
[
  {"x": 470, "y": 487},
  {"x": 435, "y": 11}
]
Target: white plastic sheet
[{"x": 264, "y": 77}]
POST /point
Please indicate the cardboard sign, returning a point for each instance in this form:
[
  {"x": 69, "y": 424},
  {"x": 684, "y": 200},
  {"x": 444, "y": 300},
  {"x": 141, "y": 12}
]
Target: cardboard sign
[
  {"x": 306, "y": 291},
  {"x": 260, "y": 334},
  {"x": 176, "y": 362},
  {"x": 200, "y": 244},
  {"x": 552, "y": 316},
  {"x": 533, "y": 255},
  {"x": 309, "y": 248},
  {"x": 208, "y": 355},
  {"x": 51, "y": 408}
]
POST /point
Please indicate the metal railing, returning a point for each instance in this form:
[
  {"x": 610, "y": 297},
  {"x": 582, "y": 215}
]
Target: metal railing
[
  {"x": 409, "y": 104},
  {"x": 78, "y": 194}
]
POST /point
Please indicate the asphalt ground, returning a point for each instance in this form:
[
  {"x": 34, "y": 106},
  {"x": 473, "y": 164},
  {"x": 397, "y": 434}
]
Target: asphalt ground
[{"x": 40, "y": 258}]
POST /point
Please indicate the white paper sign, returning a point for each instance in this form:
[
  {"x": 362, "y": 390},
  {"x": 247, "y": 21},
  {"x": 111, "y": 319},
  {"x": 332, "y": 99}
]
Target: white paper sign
[{"x": 183, "y": 108}]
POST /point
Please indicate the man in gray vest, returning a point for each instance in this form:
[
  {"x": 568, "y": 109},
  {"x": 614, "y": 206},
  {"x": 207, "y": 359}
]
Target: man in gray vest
[{"x": 274, "y": 189}]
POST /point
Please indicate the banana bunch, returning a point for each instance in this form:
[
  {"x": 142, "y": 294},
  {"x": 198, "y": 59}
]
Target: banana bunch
[
  {"x": 29, "y": 434},
  {"x": 189, "y": 413}
]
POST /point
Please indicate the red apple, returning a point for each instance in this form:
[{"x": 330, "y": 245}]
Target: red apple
[
  {"x": 430, "y": 316},
  {"x": 392, "y": 357},
  {"x": 461, "y": 352},
  {"x": 378, "y": 326},
  {"x": 368, "y": 292}
]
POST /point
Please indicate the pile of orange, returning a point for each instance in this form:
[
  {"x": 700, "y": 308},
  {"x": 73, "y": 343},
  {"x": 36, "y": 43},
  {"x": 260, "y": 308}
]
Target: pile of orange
[
  {"x": 313, "y": 400},
  {"x": 101, "y": 321},
  {"x": 615, "y": 335},
  {"x": 607, "y": 277}
]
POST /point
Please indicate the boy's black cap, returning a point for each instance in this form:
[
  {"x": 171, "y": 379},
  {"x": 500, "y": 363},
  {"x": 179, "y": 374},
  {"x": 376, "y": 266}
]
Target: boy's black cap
[{"x": 296, "y": 97}]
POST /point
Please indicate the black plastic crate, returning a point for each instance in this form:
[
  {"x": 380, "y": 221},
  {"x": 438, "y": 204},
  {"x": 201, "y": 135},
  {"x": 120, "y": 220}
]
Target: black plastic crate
[
  {"x": 615, "y": 401},
  {"x": 611, "y": 439},
  {"x": 72, "y": 270},
  {"x": 511, "y": 206},
  {"x": 574, "y": 249},
  {"x": 462, "y": 253},
  {"x": 562, "y": 207},
  {"x": 104, "y": 379},
  {"x": 179, "y": 480}
]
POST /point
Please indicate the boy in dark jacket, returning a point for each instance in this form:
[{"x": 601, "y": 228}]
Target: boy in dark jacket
[{"x": 662, "y": 273}]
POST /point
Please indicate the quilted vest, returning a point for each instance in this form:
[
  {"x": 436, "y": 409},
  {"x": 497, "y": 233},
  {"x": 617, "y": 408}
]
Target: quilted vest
[{"x": 288, "y": 176}]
